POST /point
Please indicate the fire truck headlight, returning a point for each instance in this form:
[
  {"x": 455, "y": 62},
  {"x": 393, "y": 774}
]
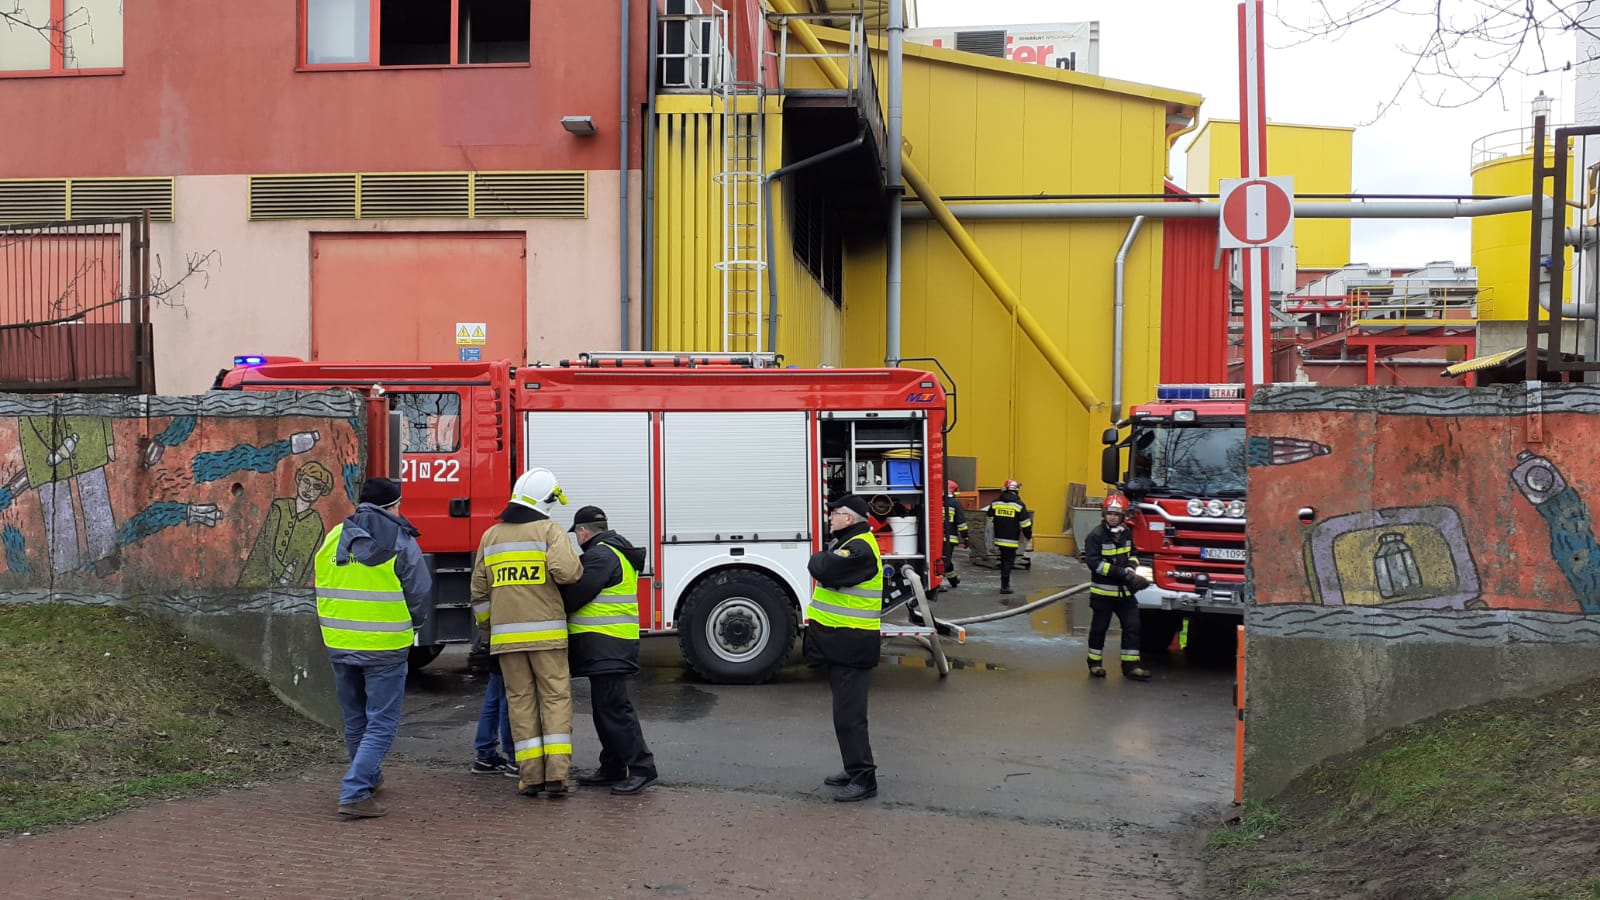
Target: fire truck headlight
[
  {"x": 1236, "y": 509},
  {"x": 1197, "y": 507},
  {"x": 1214, "y": 507}
]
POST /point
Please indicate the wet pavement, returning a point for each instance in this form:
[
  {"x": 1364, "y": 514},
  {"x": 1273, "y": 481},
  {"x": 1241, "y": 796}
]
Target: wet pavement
[
  {"x": 1017, "y": 729},
  {"x": 1016, "y": 776}
]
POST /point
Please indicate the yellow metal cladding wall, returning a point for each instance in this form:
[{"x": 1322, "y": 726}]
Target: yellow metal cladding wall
[
  {"x": 976, "y": 131},
  {"x": 688, "y": 287},
  {"x": 1500, "y": 243},
  {"x": 1318, "y": 157}
]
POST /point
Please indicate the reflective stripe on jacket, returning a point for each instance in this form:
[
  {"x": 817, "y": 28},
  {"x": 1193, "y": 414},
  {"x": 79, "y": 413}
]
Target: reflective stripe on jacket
[
  {"x": 615, "y": 613},
  {"x": 1109, "y": 555},
  {"x": 515, "y": 598},
  {"x": 857, "y": 606},
  {"x": 1011, "y": 522},
  {"x": 360, "y": 607}
]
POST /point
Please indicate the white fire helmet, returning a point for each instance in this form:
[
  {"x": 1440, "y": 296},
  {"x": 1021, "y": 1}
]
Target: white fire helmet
[{"x": 538, "y": 489}]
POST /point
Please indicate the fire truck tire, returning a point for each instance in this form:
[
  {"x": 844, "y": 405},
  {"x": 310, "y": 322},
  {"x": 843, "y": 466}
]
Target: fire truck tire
[
  {"x": 737, "y": 627},
  {"x": 421, "y": 656}
]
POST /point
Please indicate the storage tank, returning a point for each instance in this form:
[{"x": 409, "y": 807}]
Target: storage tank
[{"x": 1502, "y": 165}]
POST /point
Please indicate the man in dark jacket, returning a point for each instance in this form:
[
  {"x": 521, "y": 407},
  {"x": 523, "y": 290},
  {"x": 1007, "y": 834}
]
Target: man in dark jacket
[
  {"x": 603, "y": 644},
  {"x": 1011, "y": 522},
  {"x": 1114, "y": 579},
  {"x": 843, "y": 636},
  {"x": 373, "y": 588}
]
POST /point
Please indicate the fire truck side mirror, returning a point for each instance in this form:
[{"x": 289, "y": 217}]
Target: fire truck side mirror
[
  {"x": 1108, "y": 437},
  {"x": 1110, "y": 464}
]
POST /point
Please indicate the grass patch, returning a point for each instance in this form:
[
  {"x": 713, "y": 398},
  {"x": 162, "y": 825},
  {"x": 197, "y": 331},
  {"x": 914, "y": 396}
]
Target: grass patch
[
  {"x": 1496, "y": 801},
  {"x": 101, "y": 709}
]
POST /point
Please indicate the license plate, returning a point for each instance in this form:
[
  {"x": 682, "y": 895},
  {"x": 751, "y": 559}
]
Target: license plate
[{"x": 1235, "y": 554}]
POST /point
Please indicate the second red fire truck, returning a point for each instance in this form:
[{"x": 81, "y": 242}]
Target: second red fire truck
[{"x": 720, "y": 464}]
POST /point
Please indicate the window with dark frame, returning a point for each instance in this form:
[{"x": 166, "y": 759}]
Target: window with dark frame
[{"x": 342, "y": 33}]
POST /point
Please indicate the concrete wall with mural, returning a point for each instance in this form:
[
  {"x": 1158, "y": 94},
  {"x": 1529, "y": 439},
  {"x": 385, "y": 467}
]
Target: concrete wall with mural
[
  {"x": 1413, "y": 550},
  {"x": 206, "y": 510}
]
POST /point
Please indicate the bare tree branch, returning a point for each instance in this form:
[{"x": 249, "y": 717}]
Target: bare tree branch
[
  {"x": 168, "y": 294},
  {"x": 1470, "y": 47}
]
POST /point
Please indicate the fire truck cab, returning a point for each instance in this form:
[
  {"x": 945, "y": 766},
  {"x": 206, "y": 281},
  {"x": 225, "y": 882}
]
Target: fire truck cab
[
  {"x": 1185, "y": 479},
  {"x": 719, "y": 465}
]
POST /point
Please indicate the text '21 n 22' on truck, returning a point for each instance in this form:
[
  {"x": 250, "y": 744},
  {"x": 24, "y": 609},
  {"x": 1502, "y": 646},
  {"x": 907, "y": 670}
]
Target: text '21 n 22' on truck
[
  {"x": 1185, "y": 479},
  {"x": 721, "y": 465}
]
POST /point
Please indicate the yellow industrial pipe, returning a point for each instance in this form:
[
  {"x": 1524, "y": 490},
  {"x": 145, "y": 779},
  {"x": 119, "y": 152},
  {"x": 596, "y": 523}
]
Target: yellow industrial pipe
[{"x": 963, "y": 241}]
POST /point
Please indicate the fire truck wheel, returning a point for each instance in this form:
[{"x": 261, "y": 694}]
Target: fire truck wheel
[
  {"x": 421, "y": 656},
  {"x": 737, "y": 627}
]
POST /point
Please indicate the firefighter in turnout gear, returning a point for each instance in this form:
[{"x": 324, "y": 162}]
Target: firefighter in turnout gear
[
  {"x": 843, "y": 636},
  {"x": 603, "y": 645},
  {"x": 1011, "y": 522},
  {"x": 517, "y": 602},
  {"x": 1114, "y": 580},
  {"x": 955, "y": 532}
]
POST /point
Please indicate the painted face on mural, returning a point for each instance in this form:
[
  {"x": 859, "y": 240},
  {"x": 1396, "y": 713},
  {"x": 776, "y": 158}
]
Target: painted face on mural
[{"x": 308, "y": 488}]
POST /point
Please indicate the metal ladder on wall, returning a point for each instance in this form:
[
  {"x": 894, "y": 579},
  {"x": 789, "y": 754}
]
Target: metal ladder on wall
[{"x": 743, "y": 264}]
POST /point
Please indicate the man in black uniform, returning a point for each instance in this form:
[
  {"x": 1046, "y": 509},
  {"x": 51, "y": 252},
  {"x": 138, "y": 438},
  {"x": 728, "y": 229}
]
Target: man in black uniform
[
  {"x": 1114, "y": 580},
  {"x": 1012, "y": 522},
  {"x": 955, "y": 532},
  {"x": 603, "y": 644},
  {"x": 843, "y": 636}
]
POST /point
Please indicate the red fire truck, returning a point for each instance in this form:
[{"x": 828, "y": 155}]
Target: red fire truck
[
  {"x": 719, "y": 464},
  {"x": 1186, "y": 482}
]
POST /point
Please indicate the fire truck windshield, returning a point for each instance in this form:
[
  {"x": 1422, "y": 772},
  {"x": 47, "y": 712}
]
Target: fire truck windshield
[{"x": 1189, "y": 459}]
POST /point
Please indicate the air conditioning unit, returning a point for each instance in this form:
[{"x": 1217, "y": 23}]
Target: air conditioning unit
[{"x": 1074, "y": 46}]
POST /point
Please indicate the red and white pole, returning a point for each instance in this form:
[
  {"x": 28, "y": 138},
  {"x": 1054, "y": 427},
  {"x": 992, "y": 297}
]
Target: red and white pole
[{"x": 1256, "y": 268}]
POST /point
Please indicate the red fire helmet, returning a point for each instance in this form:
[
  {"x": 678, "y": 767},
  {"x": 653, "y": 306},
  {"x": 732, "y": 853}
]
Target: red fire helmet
[
  {"x": 950, "y": 487},
  {"x": 1114, "y": 503},
  {"x": 1013, "y": 485}
]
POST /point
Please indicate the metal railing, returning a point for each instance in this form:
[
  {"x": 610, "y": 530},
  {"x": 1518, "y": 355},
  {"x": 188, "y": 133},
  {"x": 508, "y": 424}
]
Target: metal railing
[
  {"x": 854, "y": 59},
  {"x": 1506, "y": 144},
  {"x": 75, "y": 306},
  {"x": 692, "y": 52}
]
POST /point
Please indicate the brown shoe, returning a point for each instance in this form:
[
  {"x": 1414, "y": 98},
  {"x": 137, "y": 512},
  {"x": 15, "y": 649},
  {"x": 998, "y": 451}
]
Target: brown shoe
[
  {"x": 363, "y": 809},
  {"x": 556, "y": 790}
]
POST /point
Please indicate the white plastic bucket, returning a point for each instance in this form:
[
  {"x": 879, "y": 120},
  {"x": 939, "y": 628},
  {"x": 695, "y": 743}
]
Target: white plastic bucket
[{"x": 904, "y": 529}]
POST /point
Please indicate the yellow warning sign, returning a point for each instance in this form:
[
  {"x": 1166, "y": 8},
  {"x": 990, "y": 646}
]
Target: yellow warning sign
[{"x": 470, "y": 334}]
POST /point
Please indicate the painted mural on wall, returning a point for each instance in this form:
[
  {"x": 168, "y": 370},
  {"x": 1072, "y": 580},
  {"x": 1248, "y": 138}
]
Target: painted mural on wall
[
  {"x": 1424, "y": 499},
  {"x": 238, "y": 498}
]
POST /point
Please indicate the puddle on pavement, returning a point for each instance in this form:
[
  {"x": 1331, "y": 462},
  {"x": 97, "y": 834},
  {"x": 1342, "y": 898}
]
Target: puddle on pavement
[
  {"x": 676, "y": 701},
  {"x": 1054, "y": 619}
]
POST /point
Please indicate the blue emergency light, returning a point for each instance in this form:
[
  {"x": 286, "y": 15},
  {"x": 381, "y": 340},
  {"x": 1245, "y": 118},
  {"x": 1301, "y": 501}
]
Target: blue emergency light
[
  {"x": 1199, "y": 392},
  {"x": 249, "y": 360}
]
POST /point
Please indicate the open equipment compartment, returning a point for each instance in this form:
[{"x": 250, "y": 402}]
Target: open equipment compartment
[{"x": 881, "y": 457}]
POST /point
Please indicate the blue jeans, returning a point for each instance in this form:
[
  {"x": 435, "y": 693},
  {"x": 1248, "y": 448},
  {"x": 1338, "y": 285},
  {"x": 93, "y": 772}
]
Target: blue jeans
[
  {"x": 371, "y": 700},
  {"x": 495, "y": 712}
]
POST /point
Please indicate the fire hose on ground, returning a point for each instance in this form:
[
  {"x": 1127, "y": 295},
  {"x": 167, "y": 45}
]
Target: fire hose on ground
[{"x": 1021, "y": 610}]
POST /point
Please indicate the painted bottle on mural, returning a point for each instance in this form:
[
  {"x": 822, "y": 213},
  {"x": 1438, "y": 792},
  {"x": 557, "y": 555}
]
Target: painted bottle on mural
[
  {"x": 1572, "y": 543},
  {"x": 303, "y": 441},
  {"x": 1395, "y": 566}
]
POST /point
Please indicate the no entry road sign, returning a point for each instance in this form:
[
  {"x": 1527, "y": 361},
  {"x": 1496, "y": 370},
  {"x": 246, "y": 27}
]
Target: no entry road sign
[{"x": 1257, "y": 212}]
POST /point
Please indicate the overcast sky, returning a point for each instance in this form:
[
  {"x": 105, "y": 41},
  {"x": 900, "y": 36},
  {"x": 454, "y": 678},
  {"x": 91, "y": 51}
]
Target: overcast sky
[{"x": 1193, "y": 45}]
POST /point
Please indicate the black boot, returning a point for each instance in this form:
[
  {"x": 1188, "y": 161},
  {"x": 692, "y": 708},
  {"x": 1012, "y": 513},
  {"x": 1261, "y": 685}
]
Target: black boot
[
  {"x": 1097, "y": 668},
  {"x": 1132, "y": 670}
]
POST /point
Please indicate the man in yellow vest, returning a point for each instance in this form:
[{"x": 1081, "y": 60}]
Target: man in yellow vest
[
  {"x": 842, "y": 635},
  {"x": 517, "y": 604},
  {"x": 603, "y": 645},
  {"x": 373, "y": 587}
]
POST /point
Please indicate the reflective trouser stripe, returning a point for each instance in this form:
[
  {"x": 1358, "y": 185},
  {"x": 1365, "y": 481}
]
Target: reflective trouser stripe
[
  {"x": 549, "y": 745},
  {"x": 1095, "y": 656},
  {"x": 526, "y": 632},
  {"x": 1130, "y": 657},
  {"x": 1004, "y": 542}
]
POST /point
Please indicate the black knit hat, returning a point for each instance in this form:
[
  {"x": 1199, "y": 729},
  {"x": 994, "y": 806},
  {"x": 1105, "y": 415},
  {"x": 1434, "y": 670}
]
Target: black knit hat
[
  {"x": 384, "y": 492},
  {"x": 851, "y": 502},
  {"x": 588, "y": 515}
]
